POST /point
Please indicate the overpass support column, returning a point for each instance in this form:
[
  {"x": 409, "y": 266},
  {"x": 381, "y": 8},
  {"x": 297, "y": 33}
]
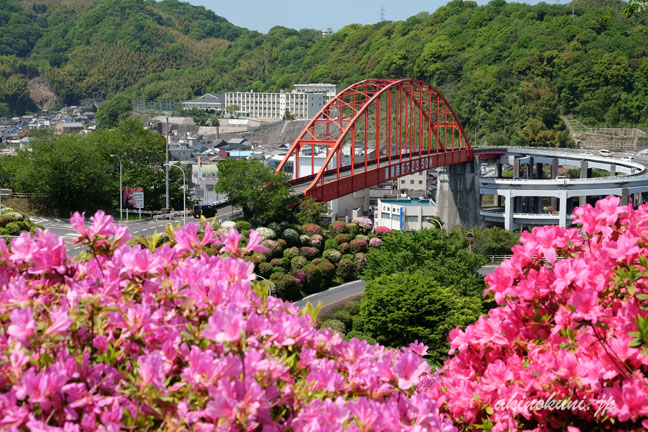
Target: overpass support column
[
  {"x": 612, "y": 169},
  {"x": 625, "y": 196},
  {"x": 516, "y": 168},
  {"x": 458, "y": 195},
  {"x": 582, "y": 200},
  {"x": 498, "y": 168},
  {"x": 554, "y": 174},
  {"x": 562, "y": 213},
  {"x": 508, "y": 211},
  {"x": 539, "y": 167},
  {"x": 584, "y": 170},
  {"x": 529, "y": 173},
  {"x": 554, "y": 168}
]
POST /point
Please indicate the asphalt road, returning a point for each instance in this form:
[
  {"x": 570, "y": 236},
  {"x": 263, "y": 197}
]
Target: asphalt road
[
  {"x": 341, "y": 294},
  {"x": 137, "y": 228},
  {"x": 336, "y": 295}
]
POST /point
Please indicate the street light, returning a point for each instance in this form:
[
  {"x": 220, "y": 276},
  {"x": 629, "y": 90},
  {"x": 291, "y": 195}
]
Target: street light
[
  {"x": 184, "y": 192},
  {"x": 120, "y": 185},
  {"x": 166, "y": 164}
]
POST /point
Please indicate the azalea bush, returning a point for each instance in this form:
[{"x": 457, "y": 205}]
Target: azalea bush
[
  {"x": 572, "y": 326},
  {"x": 133, "y": 338}
]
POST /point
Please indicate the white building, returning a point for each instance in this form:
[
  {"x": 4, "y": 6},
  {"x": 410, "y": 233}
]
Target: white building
[
  {"x": 405, "y": 214},
  {"x": 303, "y": 102},
  {"x": 414, "y": 182}
]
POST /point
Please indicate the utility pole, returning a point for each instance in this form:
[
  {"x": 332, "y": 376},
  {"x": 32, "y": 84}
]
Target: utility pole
[{"x": 166, "y": 164}]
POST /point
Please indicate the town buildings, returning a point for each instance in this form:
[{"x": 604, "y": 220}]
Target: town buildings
[{"x": 303, "y": 102}]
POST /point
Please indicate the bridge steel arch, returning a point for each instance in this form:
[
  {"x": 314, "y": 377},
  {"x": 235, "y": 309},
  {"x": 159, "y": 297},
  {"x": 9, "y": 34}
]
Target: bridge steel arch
[{"x": 373, "y": 131}]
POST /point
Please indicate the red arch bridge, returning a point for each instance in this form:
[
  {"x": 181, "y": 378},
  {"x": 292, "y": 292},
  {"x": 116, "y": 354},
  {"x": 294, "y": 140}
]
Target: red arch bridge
[{"x": 373, "y": 131}]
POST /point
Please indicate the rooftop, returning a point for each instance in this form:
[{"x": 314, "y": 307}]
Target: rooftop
[{"x": 408, "y": 202}]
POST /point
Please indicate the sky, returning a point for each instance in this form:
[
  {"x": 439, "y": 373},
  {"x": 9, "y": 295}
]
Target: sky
[{"x": 262, "y": 15}]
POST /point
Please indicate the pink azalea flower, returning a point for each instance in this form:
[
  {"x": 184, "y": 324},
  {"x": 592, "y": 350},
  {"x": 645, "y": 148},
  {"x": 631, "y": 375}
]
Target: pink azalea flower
[
  {"x": 408, "y": 367},
  {"x": 23, "y": 325},
  {"x": 152, "y": 370}
]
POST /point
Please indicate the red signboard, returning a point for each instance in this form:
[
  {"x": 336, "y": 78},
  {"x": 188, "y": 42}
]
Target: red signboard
[{"x": 133, "y": 198}]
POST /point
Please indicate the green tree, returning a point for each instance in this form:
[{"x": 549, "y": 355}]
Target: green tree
[
  {"x": 310, "y": 211},
  {"x": 113, "y": 110},
  {"x": 253, "y": 186},
  {"x": 77, "y": 173},
  {"x": 445, "y": 254},
  {"x": 399, "y": 309}
]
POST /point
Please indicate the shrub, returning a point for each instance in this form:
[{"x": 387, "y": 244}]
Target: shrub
[
  {"x": 347, "y": 256},
  {"x": 344, "y": 247},
  {"x": 242, "y": 225},
  {"x": 345, "y": 269},
  {"x": 317, "y": 241},
  {"x": 311, "y": 229},
  {"x": 278, "y": 262},
  {"x": 573, "y": 328},
  {"x": 332, "y": 255},
  {"x": 338, "y": 227},
  {"x": 13, "y": 228},
  {"x": 266, "y": 233},
  {"x": 364, "y": 224},
  {"x": 300, "y": 276},
  {"x": 330, "y": 244},
  {"x": 327, "y": 270},
  {"x": 282, "y": 243},
  {"x": 5, "y": 219},
  {"x": 358, "y": 245},
  {"x": 275, "y": 227},
  {"x": 285, "y": 286},
  {"x": 278, "y": 270},
  {"x": 298, "y": 262},
  {"x": 342, "y": 238},
  {"x": 353, "y": 229},
  {"x": 375, "y": 242},
  {"x": 382, "y": 231},
  {"x": 291, "y": 253},
  {"x": 265, "y": 269},
  {"x": 360, "y": 262},
  {"x": 316, "y": 261},
  {"x": 304, "y": 240},
  {"x": 313, "y": 278},
  {"x": 308, "y": 252},
  {"x": 333, "y": 324},
  {"x": 274, "y": 249},
  {"x": 227, "y": 225},
  {"x": 291, "y": 236}
]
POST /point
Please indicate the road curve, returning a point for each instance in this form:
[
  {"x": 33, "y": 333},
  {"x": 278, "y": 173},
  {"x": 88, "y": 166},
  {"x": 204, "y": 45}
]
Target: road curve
[
  {"x": 334, "y": 296},
  {"x": 341, "y": 294}
]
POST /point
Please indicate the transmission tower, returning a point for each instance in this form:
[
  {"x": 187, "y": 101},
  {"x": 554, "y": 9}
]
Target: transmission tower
[{"x": 382, "y": 13}]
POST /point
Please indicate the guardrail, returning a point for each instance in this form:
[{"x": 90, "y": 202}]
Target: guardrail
[{"x": 499, "y": 258}]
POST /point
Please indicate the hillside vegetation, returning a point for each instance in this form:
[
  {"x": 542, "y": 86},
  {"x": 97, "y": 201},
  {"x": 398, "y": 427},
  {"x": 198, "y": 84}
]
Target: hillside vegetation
[{"x": 508, "y": 69}]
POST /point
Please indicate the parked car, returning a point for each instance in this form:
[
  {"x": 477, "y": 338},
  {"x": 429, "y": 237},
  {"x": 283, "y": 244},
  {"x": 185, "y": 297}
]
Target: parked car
[
  {"x": 605, "y": 152},
  {"x": 207, "y": 210}
]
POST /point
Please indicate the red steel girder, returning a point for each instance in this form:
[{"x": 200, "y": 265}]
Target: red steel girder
[{"x": 418, "y": 107}]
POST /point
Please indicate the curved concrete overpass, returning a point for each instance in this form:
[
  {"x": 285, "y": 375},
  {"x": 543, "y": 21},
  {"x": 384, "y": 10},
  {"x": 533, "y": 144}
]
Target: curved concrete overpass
[{"x": 537, "y": 193}]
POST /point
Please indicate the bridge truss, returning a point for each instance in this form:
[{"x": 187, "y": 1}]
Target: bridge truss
[{"x": 375, "y": 131}]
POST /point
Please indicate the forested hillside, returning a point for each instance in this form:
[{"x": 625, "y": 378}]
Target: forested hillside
[{"x": 509, "y": 68}]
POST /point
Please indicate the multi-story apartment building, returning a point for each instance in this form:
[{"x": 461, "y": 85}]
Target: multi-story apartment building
[{"x": 303, "y": 102}]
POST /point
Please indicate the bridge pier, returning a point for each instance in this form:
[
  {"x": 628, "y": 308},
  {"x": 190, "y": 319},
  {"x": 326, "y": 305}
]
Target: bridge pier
[{"x": 458, "y": 195}]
